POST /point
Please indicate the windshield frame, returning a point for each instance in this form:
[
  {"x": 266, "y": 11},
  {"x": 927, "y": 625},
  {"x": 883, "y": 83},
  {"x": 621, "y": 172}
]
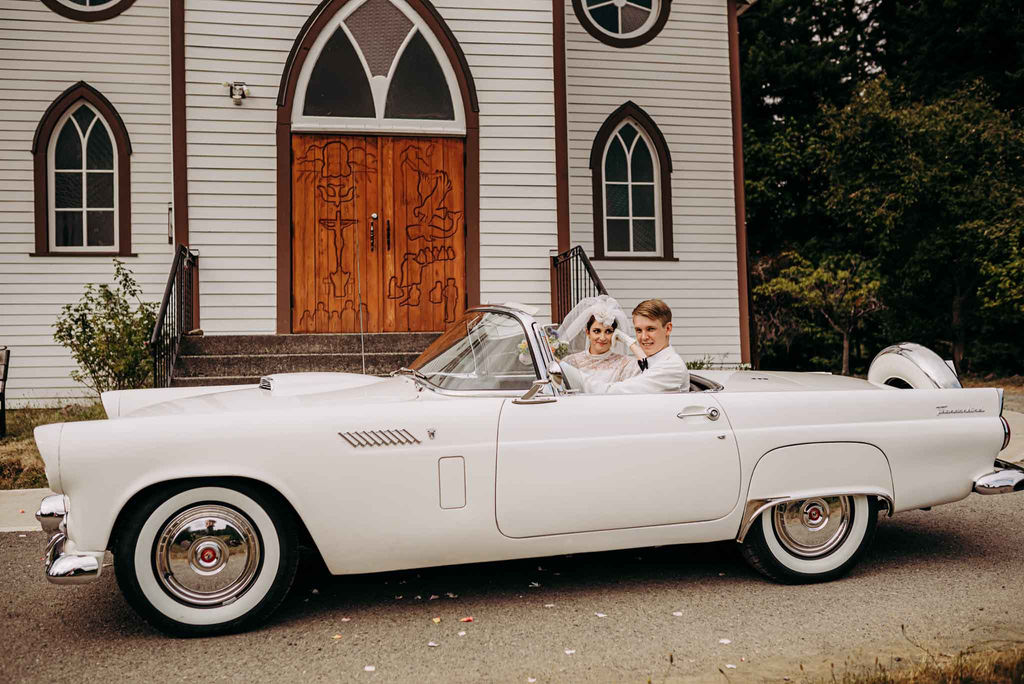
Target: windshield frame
[{"x": 530, "y": 332}]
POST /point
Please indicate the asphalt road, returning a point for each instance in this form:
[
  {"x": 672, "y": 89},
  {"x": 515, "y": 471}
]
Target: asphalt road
[{"x": 952, "y": 576}]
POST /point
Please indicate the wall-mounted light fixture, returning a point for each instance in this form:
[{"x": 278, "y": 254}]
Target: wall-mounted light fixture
[{"x": 238, "y": 91}]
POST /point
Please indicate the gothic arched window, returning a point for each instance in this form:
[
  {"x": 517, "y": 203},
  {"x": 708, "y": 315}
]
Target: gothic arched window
[
  {"x": 82, "y": 182},
  {"x": 630, "y": 166}
]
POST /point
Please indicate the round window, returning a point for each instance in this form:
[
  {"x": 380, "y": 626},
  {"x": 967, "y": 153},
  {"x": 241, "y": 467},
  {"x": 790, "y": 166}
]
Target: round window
[
  {"x": 88, "y": 10},
  {"x": 622, "y": 23}
]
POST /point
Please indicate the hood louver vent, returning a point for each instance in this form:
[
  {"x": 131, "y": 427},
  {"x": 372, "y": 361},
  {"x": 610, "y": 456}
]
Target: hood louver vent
[{"x": 376, "y": 438}]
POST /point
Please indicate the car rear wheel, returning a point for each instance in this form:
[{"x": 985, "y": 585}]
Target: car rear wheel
[
  {"x": 811, "y": 540},
  {"x": 199, "y": 560}
]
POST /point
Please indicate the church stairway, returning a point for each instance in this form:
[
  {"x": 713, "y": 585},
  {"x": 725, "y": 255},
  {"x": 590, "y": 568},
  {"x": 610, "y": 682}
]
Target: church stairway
[{"x": 243, "y": 359}]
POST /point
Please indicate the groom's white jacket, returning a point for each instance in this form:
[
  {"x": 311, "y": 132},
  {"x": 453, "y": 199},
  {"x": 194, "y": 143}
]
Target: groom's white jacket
[{"x": 666, "y": 372}]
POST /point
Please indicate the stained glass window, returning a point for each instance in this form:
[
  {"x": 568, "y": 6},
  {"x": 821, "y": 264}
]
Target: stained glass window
[
  {"x": 622, "y": 18},
  {"x": 83, "y": 185},
  {"x": 630, "y": 194}
]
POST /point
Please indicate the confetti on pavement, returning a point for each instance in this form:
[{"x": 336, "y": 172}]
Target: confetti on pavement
[
  {"x": 730, "y": 666},
  {"x": 462, "y": 634},
  {"x": 600, "y": 614},
  {"x": 346, "y": 619},
  {"x": 336, "y": 636},
  {"x": 432, "y": 644},
  {"x": 570, "y": 651},
  {"x": 369, "y": 668},
  {"x": 451, "y": 595},
  {"x": 549, "y": 605},
  {"x": 534, "y": 585},
  {"x": 466, "y": 619},
  {"x": 437, "y": 620},
  {"x": 725, "y": 641},
  {"x": 433, "y": 596},
  {"x": 678, "y": 613}
]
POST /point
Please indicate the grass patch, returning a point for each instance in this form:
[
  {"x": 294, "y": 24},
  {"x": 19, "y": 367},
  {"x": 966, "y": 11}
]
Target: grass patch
[
  {"x": 985, "y": 667},
  {"x": 20, "y": 464}
]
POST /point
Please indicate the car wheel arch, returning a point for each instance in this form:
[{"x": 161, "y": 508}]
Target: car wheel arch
[
  {"x": 771, "y": 482},
  {"x": 305, "y": 538}
]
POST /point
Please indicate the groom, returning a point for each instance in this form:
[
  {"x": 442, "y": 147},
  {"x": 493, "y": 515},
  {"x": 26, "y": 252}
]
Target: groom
[{"x": 665, "y": 372}]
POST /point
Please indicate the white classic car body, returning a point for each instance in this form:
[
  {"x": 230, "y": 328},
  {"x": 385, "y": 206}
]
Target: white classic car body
[{"x": 391, "y": 473}]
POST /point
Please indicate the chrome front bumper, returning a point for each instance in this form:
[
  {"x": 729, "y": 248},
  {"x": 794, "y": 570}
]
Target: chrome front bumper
[
  {"x": 62, "y": 566},
  {"x": 1005, "y": 479}
]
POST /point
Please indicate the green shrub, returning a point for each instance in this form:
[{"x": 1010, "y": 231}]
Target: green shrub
[{"x": 108, "y": 334}]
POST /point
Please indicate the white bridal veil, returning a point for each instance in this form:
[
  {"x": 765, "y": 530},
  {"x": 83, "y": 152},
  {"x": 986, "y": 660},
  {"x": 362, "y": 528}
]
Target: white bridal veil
[{"x": 603, "y": 308}]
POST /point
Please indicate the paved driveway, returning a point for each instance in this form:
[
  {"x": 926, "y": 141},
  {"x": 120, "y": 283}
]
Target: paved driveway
[{"x": 952, "y": 576}]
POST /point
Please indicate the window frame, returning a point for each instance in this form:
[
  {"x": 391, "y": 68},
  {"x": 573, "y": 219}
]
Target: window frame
[
  {"x": 606, "y": 135},
  {"x": 640, "y": 37},
  {"x": 76, "y": 12},
  {"x": 43, "y": 146},
  {"x": 51, "y": 184}
]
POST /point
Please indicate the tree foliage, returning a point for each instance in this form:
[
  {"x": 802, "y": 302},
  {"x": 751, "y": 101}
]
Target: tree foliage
[
  {"x": 842, "y": 290},
  {"x": 888, "y": 131},
  {"x": 108, "y": 333}
]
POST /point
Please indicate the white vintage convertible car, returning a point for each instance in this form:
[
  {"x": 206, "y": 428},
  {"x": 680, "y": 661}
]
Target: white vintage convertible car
[{"x": 480, "y": 452}]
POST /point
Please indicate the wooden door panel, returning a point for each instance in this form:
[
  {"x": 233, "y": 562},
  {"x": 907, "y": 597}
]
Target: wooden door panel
[
  {"x": 407, "y": 267},
  {"x": 429, "y": 208}
]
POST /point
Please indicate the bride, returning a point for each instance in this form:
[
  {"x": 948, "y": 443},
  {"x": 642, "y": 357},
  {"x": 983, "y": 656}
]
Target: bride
[{"x": 597, "y": 324}]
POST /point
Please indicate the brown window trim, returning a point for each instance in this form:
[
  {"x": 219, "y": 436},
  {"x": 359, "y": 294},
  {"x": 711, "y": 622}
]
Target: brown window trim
[
  {"x": 108, "y": 12},
  {"x": 633, "y": 41},
  {"x": 40, "y": 145},
  {"x": 630, "y": 110}
]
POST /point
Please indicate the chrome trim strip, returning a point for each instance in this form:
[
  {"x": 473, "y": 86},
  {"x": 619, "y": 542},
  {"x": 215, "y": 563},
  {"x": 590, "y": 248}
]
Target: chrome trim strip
[{"x": 755, "y": 507}]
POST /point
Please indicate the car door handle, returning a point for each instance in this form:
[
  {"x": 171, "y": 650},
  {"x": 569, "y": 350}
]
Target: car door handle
[{"x": 711, "y": 413}]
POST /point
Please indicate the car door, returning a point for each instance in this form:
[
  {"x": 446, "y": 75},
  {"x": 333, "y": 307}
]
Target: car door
[{"x": 600, "y": 462}]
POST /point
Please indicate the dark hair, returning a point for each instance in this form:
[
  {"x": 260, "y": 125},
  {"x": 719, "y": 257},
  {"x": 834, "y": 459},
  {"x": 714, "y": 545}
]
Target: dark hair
[{"x": 590, "y": 322}]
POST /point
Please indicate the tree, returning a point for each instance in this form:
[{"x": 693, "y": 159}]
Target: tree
[
  {"x": 843, "y": 290},
  {"x": 933, "y": 190},
  {"x": 108, "y": 334}
]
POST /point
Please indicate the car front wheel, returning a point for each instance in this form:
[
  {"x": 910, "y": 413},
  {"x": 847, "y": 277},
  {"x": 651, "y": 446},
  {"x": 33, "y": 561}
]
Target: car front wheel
[
  {"x": 199, "y": 560},
  {"x": 811, "y": 540}
]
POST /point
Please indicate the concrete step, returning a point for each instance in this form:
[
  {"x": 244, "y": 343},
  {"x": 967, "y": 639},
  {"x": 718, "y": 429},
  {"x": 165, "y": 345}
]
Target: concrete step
[
  {"x": 255, "y": 365},
  {"x": 344, "y": 343}
]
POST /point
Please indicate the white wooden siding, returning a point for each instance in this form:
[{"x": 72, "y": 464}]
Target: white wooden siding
[
  {"x": 232, "y": 153},
  {"x": 681, "y": 79},
  {"x": 127, "y": 59}
]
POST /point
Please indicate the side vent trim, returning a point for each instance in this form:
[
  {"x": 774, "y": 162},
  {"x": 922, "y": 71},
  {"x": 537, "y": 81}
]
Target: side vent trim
[{"x": 377, "y": 438}]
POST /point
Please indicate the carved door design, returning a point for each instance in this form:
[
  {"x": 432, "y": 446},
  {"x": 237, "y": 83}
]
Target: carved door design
[{"x": 407, "y": 266}]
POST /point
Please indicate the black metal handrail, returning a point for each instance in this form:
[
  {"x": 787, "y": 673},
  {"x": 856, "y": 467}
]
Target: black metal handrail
[
  {"x": 572, "y": 278},
  {"x": 177, "y": 314}
]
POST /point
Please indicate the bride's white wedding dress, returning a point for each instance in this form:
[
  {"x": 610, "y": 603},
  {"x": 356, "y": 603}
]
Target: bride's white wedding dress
[{"x": 605, "y": 368}]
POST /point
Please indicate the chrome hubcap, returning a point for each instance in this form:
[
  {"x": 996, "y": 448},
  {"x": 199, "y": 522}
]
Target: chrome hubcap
[
  {"x": 207, "y": 555},
  {"x": 812, "y": 528}
]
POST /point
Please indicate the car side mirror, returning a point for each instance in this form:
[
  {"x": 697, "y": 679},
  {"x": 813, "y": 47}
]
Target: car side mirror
[
  {"x": 555, "y": 373},
  {"x": 531, "y": 394}
]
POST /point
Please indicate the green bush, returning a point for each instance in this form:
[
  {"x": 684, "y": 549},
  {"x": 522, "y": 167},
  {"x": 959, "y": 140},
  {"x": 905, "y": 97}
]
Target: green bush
[{"x": 108, "y": 334}]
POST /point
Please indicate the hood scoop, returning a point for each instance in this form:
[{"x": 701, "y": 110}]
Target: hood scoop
[{"x": 379, "y": 438}]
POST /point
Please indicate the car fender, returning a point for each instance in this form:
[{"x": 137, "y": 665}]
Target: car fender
[{"x": 802, "y": 471}]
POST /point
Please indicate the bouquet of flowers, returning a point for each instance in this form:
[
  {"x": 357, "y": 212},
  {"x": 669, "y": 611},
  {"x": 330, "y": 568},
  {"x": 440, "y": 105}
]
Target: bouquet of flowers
[{"x": 559, "y": 348}]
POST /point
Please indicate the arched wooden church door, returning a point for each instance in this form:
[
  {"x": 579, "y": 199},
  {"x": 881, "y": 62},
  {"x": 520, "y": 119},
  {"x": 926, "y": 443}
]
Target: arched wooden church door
[{"x": 378, "y": 177}]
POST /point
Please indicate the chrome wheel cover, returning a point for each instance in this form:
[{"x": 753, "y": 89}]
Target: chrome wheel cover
[
  {"x": 812, "y": 528},
  {"x": 207, "y": 555}
]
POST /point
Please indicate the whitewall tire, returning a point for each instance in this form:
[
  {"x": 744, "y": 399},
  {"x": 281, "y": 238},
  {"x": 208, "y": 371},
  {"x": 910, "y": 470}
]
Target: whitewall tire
[
  {"x": 811, "y": 540},
  {"x": 198, "y": 559}
]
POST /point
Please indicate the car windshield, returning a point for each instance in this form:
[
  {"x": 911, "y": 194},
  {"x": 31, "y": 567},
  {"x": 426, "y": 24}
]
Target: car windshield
[{"x": 484, "y": 350}]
